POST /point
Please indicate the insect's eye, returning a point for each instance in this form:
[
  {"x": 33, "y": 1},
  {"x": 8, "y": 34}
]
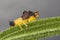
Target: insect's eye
[{"x": 36, "y": 12}]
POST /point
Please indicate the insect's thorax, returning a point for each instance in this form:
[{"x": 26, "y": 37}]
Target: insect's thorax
[{"x": 32, "y": 18}]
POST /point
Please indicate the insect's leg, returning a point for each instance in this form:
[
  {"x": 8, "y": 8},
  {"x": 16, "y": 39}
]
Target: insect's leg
[
  {"x": 25, "y": 24},
  {"x": 20, "y": 27}
]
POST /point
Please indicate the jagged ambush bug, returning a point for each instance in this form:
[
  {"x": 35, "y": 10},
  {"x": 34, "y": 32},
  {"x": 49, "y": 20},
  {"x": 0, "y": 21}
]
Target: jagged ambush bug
[{"x": 27, "y": 16}]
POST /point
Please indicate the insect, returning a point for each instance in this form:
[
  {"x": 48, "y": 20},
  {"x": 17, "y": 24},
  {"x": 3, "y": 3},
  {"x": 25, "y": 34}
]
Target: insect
[{"x": 27, "y": 16}]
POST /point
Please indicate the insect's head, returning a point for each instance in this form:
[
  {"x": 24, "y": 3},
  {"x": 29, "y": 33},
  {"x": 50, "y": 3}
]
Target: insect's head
[{"x": 36, "y": 14}]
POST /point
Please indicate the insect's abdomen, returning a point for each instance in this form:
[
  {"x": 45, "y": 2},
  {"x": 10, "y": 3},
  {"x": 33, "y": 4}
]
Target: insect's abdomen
[
  {"x": 11, "y": 23},
  {"x": 18, "y": 21}
]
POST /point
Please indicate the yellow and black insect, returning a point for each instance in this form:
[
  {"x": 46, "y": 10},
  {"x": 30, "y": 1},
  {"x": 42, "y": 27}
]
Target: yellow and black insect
[{"x": 27, "y": 16}]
